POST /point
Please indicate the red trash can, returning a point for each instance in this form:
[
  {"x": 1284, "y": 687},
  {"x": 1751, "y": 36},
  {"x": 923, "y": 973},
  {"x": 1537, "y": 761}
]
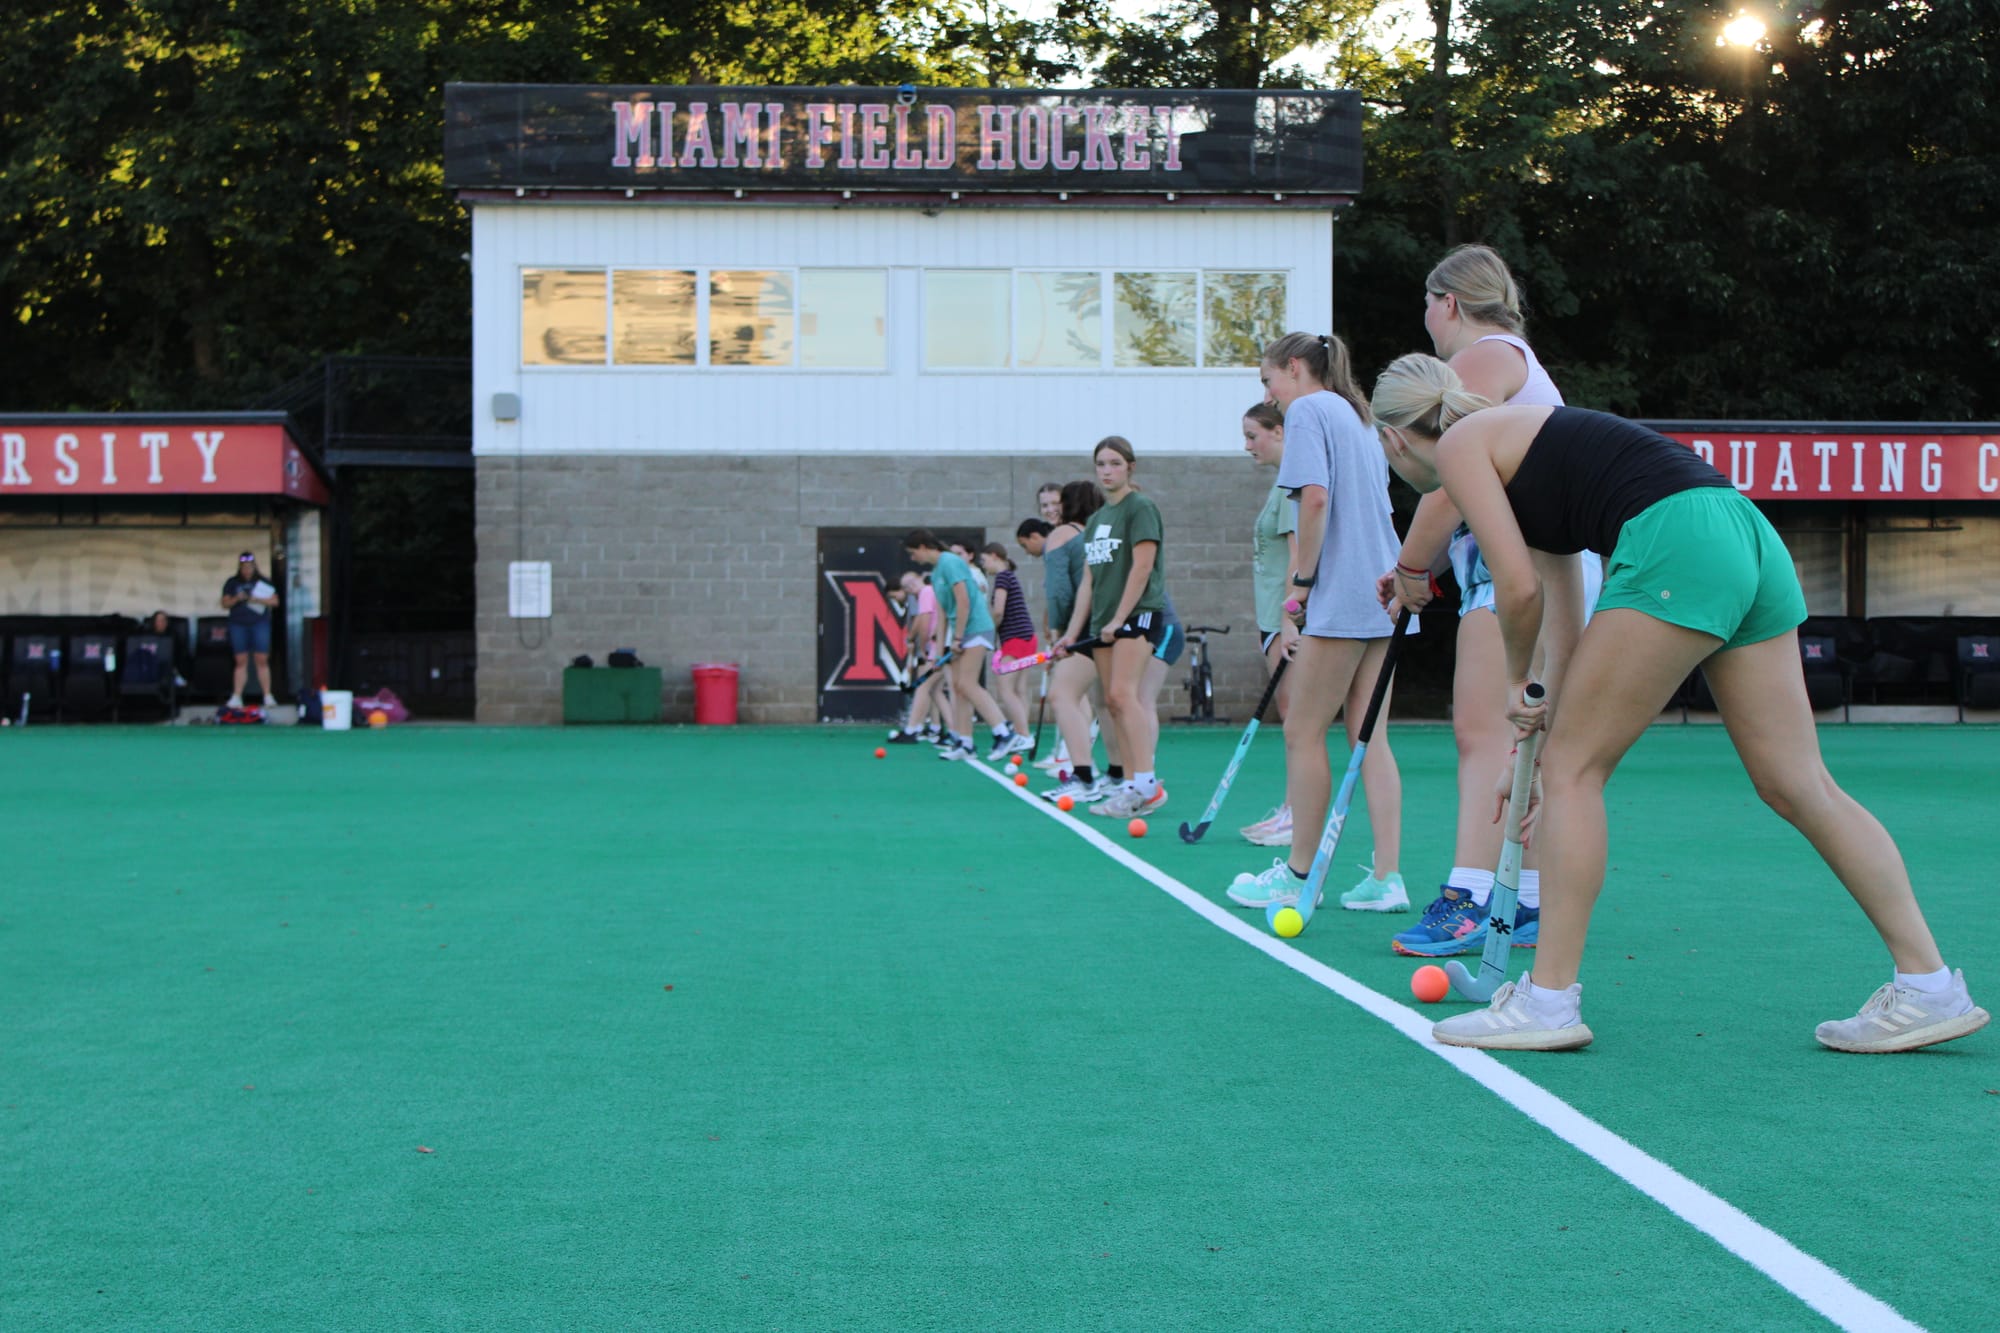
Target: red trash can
[{"x": 715, "y": 694}]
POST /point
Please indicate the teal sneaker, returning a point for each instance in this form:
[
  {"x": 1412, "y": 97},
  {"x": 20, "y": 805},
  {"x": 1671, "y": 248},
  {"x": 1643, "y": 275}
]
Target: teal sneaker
[
  {"x": 1277, "y": 886},
  {"x": 1450, "y": 925},
  {"x": 1377, "y": 895}
]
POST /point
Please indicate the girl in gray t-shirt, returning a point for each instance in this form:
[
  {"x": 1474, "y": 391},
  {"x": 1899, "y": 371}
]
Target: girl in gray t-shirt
[{"x": 1334, "y": 467}]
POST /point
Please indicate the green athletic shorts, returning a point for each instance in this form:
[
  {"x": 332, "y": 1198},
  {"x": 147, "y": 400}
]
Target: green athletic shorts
[{"x": 1706, "y": 560}]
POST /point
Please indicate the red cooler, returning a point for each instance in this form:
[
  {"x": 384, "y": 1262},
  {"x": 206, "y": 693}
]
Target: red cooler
[{"x": 715, "y": 694}]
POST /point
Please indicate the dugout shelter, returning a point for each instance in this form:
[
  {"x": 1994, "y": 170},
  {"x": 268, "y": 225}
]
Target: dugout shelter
[{"x": 106, "y": 518}]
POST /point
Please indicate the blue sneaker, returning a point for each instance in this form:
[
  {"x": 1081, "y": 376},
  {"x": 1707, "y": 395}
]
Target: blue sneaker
[
  {"x": 1450, "y": 925},
  {"x": 1527, "y": 927}
]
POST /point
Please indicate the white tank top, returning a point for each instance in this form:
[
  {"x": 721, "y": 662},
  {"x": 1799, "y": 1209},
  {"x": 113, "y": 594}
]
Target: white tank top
[{"x": 1538, "y": 390}]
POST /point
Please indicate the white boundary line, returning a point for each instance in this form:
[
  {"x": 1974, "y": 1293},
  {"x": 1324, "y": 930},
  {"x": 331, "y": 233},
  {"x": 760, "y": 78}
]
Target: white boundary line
[{"x": 1805, "y": 1277}]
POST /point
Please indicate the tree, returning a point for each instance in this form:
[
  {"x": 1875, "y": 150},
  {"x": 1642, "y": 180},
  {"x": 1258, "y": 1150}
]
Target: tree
[
  {"x": 1803, "y": 229},
  {"x": 202, "y": 199}
]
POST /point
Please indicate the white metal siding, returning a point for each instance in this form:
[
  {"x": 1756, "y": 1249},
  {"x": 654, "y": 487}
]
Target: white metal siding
[{"x": 649, "y": 410}]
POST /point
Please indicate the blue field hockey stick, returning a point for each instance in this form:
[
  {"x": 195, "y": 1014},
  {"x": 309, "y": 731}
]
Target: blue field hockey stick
[
  {"x": 1336, "y": 818},
  {"x": 1194, "y": 834},
  {"x": 1506, "y": 879}
]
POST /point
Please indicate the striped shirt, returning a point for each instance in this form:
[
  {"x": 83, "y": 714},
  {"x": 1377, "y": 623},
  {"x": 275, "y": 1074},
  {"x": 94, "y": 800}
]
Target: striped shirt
[{"x": 1016, "y": 622}]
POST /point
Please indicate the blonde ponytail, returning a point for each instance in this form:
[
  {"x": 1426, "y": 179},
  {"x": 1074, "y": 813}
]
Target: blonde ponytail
[{"x": 1421, "y": 394}]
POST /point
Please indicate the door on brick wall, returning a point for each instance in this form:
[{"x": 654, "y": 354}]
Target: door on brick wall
[{"x": 861, "y": 643}]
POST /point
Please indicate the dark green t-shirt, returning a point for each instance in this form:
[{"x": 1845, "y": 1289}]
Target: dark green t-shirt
[{"x": 1108, "y": 538}]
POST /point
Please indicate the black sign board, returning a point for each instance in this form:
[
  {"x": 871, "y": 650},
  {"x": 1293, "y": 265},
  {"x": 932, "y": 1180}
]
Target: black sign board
[
  {"x": 862, "y": 646},
  {"x": 908, "y": 140}
]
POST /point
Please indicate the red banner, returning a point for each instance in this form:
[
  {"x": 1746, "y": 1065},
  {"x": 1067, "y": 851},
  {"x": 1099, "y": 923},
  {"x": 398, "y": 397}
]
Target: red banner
[
  {"x": 128, "y": 458},
  {"x": 1852, "y": 466}
]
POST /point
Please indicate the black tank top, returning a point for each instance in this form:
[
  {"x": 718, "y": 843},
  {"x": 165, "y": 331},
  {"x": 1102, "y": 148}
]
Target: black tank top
[{"x": 1587, "y": 473}]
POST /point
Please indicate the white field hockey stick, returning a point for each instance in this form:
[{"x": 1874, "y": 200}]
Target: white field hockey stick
[
  {"x": 1336, "y": 818},
  {"x": 1192, "y": 835},
  {"x": 1506, "y": 879}
]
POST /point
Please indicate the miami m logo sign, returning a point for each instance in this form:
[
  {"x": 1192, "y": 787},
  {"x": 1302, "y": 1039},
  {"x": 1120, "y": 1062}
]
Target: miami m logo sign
[{"x": 873, "y": 647}]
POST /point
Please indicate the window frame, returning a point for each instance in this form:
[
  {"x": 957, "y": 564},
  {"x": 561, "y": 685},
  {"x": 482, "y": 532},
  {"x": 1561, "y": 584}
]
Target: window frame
[{"x": 702, "y": 335}]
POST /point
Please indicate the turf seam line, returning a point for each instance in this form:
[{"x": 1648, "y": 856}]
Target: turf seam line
[{"x": 1811, "y": 1280}]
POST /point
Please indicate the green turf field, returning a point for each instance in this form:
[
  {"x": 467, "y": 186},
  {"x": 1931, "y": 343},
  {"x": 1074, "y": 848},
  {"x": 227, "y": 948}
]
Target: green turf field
[{"x": 746, "y": 1029}]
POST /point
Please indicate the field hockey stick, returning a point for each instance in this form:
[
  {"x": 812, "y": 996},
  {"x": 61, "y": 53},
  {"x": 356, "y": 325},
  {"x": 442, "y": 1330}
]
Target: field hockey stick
[
  {"x": 1506, "y": 880},
  {"x": 1193, "y": 835},
  {"x": 1041, "y": 715},
  {"x": 1336, "y": 818},
  {"x": 1007, "y": 666},
  {"x": 932, "y": 670}
]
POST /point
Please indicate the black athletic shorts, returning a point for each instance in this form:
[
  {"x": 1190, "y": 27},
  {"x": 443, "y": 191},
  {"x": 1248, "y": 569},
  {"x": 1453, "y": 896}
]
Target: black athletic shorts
[{"x": 1152, "y": 626}]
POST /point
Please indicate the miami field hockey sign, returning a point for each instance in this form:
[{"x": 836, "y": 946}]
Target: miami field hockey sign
[{"x": 846, "y": 140}]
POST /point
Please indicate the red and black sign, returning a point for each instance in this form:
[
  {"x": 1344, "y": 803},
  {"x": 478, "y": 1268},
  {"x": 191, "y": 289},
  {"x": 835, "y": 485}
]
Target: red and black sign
[
  {"x": 1836, "y": 462},
  {"x": 862, "y": 647}
]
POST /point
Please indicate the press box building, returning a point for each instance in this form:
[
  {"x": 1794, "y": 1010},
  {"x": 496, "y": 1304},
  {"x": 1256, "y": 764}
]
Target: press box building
[{"x": 730, "y": 343}]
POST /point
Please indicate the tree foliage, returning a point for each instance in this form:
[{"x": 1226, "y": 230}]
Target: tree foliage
[{"x": 200, "y": 199}]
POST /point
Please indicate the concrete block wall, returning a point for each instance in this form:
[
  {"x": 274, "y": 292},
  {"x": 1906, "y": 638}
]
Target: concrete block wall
[{"x": 696, "y": 558}]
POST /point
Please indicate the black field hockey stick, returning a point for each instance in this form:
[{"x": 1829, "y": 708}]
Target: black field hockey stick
[
  {"x": 1336, "y": 818},
  {"x": 1041, "y": 714},
  {"x": 1506, "y": 879},
  {"x": 1192, "y": 835},
  {"x": 910, "y": 687}
]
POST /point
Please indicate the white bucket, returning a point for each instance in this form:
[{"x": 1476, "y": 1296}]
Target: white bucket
[{"x": 336, "y": 710}]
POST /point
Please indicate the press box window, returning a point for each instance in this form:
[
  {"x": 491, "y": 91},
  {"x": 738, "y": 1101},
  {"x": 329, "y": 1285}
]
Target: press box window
[
  {"x": 968, "y": 321},
  {"x": 1242, "y": 313},
  {"x": 653, "y": 316},
  {"x": 749, "y": 317},
  {"x": 843, "y": 319},
  {"x": 1058, "y": 321},
  {"x": 562, "y": 317},
  {"x": 1154, "y": 319}
]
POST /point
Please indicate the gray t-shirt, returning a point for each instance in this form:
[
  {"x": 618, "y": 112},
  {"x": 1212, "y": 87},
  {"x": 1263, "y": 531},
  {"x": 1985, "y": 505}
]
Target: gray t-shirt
[{"x": 1326, "y": 444}]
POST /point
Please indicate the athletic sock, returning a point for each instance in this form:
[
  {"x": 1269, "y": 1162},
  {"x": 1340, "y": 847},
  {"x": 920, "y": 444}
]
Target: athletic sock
[
  {"x": 1003, "y": 732},
  {"x": 1147, "y": 783},
  {"x": 1083, "y": 774},
  {"x": 1931, "y": 983},
  {"x": 1301, "y": 875},
  {"x": 1116, "y": 772},
  {"x": 1531, "y": 889},
  {"x": 963, "y": 742},
  {"x": 1478, "y": 883},
  {"x": 1552, "y": 1003}
]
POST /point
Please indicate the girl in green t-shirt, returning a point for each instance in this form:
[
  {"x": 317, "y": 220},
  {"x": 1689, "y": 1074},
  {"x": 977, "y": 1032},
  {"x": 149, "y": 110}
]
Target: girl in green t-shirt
[{"x": 1119, "y": 619}]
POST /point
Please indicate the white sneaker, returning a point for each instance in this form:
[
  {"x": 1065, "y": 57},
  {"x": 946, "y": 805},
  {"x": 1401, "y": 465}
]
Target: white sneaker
[
  {"x": 1021, "y": 744},
  {"x": 1079, "y": 792},
  {"x": 1276, "y": 833},
  {"x": 1121, "y": 803},
  {"x": 1283, "y": 811},
  {"x": 956, "y": 752},
  {"x": 235, "y": 701},
  {"x": 1277, "y": 886},
  {"x": 1050, "y": 764},
  {"x": 1513, "y": 1022},
  {"x": 1903, "y": 1018},
  {"x": 1004, "y": 747}
]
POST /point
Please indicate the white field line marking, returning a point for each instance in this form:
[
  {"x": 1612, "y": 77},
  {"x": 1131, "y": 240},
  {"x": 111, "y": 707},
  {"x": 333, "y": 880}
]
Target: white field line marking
[{"x": 1819, "y": 1286}]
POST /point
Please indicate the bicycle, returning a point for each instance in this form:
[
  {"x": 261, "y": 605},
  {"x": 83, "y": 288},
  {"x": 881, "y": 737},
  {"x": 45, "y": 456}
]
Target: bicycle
[{"x": 1201, "y": 676}]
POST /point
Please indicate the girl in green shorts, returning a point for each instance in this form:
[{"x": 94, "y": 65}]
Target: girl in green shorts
[{"x": 1694, "y": 576}]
